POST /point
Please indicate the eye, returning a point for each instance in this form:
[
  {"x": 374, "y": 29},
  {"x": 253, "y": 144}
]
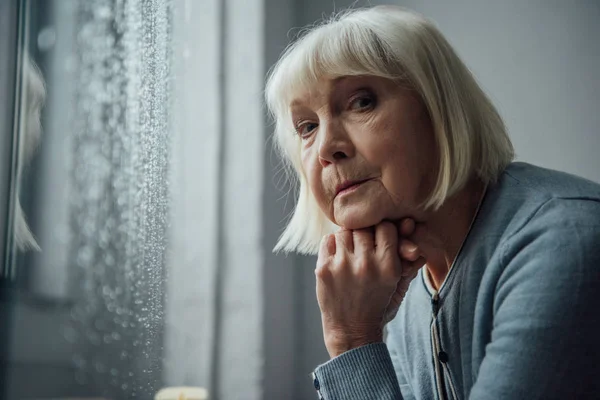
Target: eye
[
  {"x": 305, "y": 128},
  {"x": 362, "y": 102}
]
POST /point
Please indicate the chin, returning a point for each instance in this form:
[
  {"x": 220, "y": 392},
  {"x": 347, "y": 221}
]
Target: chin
[{"x": 351, "y": 219}]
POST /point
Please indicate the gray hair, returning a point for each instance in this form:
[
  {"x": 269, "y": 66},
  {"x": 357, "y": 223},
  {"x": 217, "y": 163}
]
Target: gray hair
[{"x": 400, "y": 45}]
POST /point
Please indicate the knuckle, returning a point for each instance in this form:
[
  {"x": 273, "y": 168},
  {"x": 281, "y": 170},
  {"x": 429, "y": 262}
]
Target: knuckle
[
  {"x": 322, "y": 263},
  {"x": 341, "y": 262},
  {"x": 387, "y": 232},
  {"x": 387, "y": 225},
  {"x": 364, "y": 231},
  {"x": 387, "y": 248},
  {"x": 362, "y": 266},
  {"x": 323, "y": 272}
]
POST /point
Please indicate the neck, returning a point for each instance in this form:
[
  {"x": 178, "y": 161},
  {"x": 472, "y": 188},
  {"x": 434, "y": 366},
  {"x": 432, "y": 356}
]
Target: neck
[{"x": 442, "y": 232}]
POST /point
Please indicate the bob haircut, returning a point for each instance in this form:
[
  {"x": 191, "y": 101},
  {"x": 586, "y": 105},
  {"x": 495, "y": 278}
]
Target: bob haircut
[{"x": 400, "y": 45}]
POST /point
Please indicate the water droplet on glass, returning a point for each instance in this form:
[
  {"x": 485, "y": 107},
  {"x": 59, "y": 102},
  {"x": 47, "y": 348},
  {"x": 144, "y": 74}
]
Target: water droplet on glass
[
  {"x": 70, "y": 334},
  {"x": 118, "y": 188},
  {"x": 100, "y": 368},
  {"x": 80, "y": 378},
  {"x": 94, "y": 338},
  {"x": 99, "y": 324},
  {"x": 78, "y": 361},
  {"x": 46, "y": 38}
]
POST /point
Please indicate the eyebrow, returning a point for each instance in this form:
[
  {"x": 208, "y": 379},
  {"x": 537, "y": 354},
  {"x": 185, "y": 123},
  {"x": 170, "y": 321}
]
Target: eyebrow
[
  {"x": 296, "y": 103},
  {"x": 336, "y": 83}
]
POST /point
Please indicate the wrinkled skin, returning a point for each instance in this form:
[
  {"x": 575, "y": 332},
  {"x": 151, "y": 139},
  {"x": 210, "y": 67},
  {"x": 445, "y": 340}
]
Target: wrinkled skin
[{"x": 369, "y": 154}]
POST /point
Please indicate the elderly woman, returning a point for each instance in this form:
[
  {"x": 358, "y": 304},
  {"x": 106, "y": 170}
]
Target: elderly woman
[{"x": 405, "y": 174}]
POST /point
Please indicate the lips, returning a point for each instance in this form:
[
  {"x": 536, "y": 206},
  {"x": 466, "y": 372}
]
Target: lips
[{"x": 348, "y": 185}]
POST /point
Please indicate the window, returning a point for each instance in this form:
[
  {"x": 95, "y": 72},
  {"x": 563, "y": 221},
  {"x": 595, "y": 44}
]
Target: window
[
  {"x": 140, "y": 203},
  {"x": 88, "y": 259}
]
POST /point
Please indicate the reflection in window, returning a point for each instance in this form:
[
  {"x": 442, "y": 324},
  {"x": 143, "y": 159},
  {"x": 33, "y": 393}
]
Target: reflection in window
[{"x": 29, "y": 140}]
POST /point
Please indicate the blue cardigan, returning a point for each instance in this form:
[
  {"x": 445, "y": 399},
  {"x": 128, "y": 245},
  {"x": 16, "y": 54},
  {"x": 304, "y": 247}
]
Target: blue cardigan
[{"x": 516, "y": 317}]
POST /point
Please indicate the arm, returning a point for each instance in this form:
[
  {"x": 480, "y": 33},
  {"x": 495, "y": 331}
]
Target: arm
[
  {"x": 544, "y": 340},
  {"x": 362, "y": 373},
  {"x": 371, "y": 371},
  {"x": 351, "y": 289}
]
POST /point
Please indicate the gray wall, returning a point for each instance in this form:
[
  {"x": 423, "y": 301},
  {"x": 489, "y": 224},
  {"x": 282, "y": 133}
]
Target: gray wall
[{"x": 539, "y": 61}]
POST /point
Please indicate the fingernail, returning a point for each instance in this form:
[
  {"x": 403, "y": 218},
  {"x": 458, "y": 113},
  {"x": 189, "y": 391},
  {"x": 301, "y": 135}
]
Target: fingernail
[{"x": 408, "y": 248}]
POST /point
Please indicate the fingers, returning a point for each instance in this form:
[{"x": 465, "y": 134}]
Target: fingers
[
  {"x": 386, "y": 235},
  {"x": 407, "y": 226},
  {"x": 327, "y": 246},
  {"x": 408, "y": 250},
  {"x": 380, "y": 237},
  {"x": 326, "y": 251},
  {"x": 363, "y": 240},
  {"x": 344, "y": 241},
  {"x": 409, "y": 246},
  {"x": 386, "y": 240}
]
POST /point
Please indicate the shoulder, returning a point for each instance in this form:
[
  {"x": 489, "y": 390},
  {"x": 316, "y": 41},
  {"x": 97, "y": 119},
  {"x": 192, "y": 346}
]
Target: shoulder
[
  {"x": 559, "y": 222},
  {"x": 527, "y": 197},
  {"x": 548, "y": 225},
  {"x": 543, "y": 183},
  {"x": 560, "y": 208}
]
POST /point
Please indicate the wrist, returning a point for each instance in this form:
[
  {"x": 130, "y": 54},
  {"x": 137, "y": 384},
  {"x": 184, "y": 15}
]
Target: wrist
[{"x": 337, "y": 344}]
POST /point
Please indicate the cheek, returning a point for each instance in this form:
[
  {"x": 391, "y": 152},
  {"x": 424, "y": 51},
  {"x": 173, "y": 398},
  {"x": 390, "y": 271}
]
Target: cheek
[
  {"x": 403, "y": 163},
  {"x": 408, "y": 173},
  {"x": 312, "y": 172}
]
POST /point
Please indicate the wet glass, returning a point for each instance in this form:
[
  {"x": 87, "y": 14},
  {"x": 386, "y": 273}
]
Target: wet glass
[{"x": 84, "y": 274}]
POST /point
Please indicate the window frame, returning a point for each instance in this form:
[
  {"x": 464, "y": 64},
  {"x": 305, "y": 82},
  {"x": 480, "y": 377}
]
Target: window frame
[{"x": 12, "y": 39}]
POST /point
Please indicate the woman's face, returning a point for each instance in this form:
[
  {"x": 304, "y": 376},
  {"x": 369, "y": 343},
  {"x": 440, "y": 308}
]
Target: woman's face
[{"x": 368, "y": 149}]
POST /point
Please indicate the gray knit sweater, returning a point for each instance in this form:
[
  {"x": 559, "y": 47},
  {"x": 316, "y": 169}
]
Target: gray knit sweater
[{"x": 516, "y": 317}]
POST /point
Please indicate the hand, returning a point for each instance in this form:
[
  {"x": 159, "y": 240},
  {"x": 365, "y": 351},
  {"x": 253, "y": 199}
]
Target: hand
[
  {"x": 360, "y": 283},
  {"x": 411, "y": 259}
]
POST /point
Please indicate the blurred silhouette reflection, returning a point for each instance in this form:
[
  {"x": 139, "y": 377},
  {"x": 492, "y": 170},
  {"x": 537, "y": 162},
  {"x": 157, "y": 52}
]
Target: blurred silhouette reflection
[{"x": 30, "y": 134}]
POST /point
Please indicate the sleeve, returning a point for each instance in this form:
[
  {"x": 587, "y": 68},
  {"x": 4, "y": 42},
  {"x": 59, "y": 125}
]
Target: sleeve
[
  {"x": 363, "y": 373},
  {"x": 546, "y": 324}
]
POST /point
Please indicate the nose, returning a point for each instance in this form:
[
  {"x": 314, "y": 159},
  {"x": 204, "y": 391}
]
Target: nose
[{"x": 335, "y": 143}]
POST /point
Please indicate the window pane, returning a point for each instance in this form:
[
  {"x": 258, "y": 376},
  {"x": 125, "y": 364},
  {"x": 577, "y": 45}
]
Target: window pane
[
  {"x": 92, "y": 211},
  {"x": 144, "y": 209}
]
